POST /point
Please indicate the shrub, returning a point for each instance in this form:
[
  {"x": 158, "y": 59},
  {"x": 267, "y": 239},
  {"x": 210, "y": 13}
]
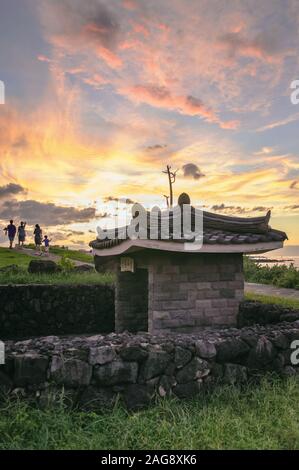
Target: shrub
[{"x": 278, "y": 275}]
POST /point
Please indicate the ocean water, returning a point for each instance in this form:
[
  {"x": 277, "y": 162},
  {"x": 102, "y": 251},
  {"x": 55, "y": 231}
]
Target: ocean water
[{"x": 284, "y": 256}]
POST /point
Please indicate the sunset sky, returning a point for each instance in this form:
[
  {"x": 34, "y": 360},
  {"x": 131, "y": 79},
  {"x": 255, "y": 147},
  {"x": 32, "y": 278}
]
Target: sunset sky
[{"x": 101, "y": 95}]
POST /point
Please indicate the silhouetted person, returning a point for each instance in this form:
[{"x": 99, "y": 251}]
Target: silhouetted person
[
  {"x": 46, "y": 242},
  {"x": 22, "y": 234},
  {"x": 38, "y": 233},
  {"x": 10, "y": 230}
]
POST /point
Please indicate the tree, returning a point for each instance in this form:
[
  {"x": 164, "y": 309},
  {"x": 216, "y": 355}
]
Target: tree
[{"x": 171, "y": 180}]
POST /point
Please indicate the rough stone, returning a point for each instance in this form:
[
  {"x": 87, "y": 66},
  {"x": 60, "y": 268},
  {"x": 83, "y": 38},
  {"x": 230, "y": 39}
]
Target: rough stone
[
  {"x": 94, "y": 399},
  {"x": 70, "y": 372},
  {"x": 37, "y": 266},
  {"x": 133, "y": 353},
  {"x": 166, "y": 384},
  {"x": 42, "y": 310},
  {"x": 30, "y": 368},
  {"x": 289, "y": 317},
  {"x": 196, "y": 369},
  {"x": 116, "y": 372},
  {"x": 137, "y": 396},
  {"x": 231, "y": 349},
  {"x": 182, "y": 356},
  {"x": 205, "y": 349},
  {"x": 101, "y": 355},
  {"x": 155, "y": 364},
  {"x": 262, "y": 355}
]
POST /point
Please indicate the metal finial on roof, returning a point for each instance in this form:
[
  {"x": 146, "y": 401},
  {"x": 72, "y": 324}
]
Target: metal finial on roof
[{"x": 184, "y": 198}]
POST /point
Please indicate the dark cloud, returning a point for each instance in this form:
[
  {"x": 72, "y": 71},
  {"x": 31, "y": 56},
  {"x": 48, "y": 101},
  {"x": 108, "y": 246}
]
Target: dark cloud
[
  {"x": 238, "y": 209},
  {"x": 261, "y": 209},
  {"x": 10, "y": 189},
  {"x": 117, "y": 199},
  {"x": 223, "y": 207},
  {"x": 156, "y": 147},
  {"x": 44, "y": 213},
  {"x": 192, "y": 170},
  {"x": 77, "y": 24},
  {"x": 264, "y": 45},
  {"x": 78, "y": 242},
  {"x": 74, "y": 232},
  {"x": 292, "y": 208},
  {"x": 293, "y": 185}
]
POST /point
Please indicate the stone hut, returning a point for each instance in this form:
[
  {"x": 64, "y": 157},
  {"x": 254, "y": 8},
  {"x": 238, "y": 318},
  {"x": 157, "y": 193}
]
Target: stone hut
[{"x": 171, "y": 283}]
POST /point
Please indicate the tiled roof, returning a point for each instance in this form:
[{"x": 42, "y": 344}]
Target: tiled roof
[{"x": 241, "y": 231}]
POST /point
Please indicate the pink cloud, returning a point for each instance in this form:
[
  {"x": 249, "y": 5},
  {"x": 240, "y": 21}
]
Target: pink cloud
[
  {"x": 43, "y": 58},
  {"x": 263, "y": 46},
  {"x": 161, "y": 97}
]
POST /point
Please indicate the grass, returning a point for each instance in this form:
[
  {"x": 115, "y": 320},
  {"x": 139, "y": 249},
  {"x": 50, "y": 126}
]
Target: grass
[
  {"x": 71, "y": 254},
  {"x": 277, "y": 275},
  {"x": 8, "y": 257},
  {"x": 23, "y": 277},
  {"x": 271, "y": 299},
  {"x": 258, "y": 417}
]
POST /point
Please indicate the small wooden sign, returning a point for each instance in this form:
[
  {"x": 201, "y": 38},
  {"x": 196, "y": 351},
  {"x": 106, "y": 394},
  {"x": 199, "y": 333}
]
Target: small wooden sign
[{"x": 127, "y": 264}]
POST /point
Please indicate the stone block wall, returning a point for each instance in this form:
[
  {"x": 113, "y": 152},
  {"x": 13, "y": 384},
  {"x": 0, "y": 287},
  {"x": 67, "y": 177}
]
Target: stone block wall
[
  {"x": 189, "y": 291},
  {"x": 34, "y": 310},
  {"x": 94, "y": 371}
]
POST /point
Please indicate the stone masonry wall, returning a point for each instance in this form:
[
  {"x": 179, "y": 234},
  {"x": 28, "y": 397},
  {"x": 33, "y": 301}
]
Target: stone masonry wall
[
  {"x": 35, "y": 310},
  {"x": 189, "y": 291},
  {"x": 93, "y": 372}
]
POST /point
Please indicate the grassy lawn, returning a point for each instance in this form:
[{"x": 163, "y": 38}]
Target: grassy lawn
[
  {"x": 258, "y": 417},
  {"x": 271, "y": 299},
  {"x": 71, "y": 254},
  {"x": 23, "y": 277},
  {"x": 8, "y": 257}
]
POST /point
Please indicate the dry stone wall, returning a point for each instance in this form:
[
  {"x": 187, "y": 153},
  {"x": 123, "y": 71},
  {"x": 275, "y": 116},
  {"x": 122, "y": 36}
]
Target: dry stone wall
[
  {"x": 36, "y": 310},
  {"x": 94, "y": 371}
]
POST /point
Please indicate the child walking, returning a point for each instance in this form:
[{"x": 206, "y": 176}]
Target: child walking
[{"x": 46, "y": 242}]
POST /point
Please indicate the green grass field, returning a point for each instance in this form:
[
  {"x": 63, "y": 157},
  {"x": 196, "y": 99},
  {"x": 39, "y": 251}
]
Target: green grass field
[
  {"x": 21, "y": 275},
  {"x": 258, "y": 417},
  {"x": 271, "y": 299},
  {"x": 71, "y": 254},
  {"x": 9, "y": 257}
]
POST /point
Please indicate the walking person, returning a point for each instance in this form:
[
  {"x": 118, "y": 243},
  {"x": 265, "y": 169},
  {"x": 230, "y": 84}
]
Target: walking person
[
  {"x": 22, "y": 234},
  {"x": 46, "y": 242},
  {"x": 11, "y": 231},
  {"x": 38, "y": 238}
]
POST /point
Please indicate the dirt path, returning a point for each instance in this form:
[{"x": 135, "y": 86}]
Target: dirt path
[
  {"x": 52, "y": 257},
  {"x": 266, "y": 289}
]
